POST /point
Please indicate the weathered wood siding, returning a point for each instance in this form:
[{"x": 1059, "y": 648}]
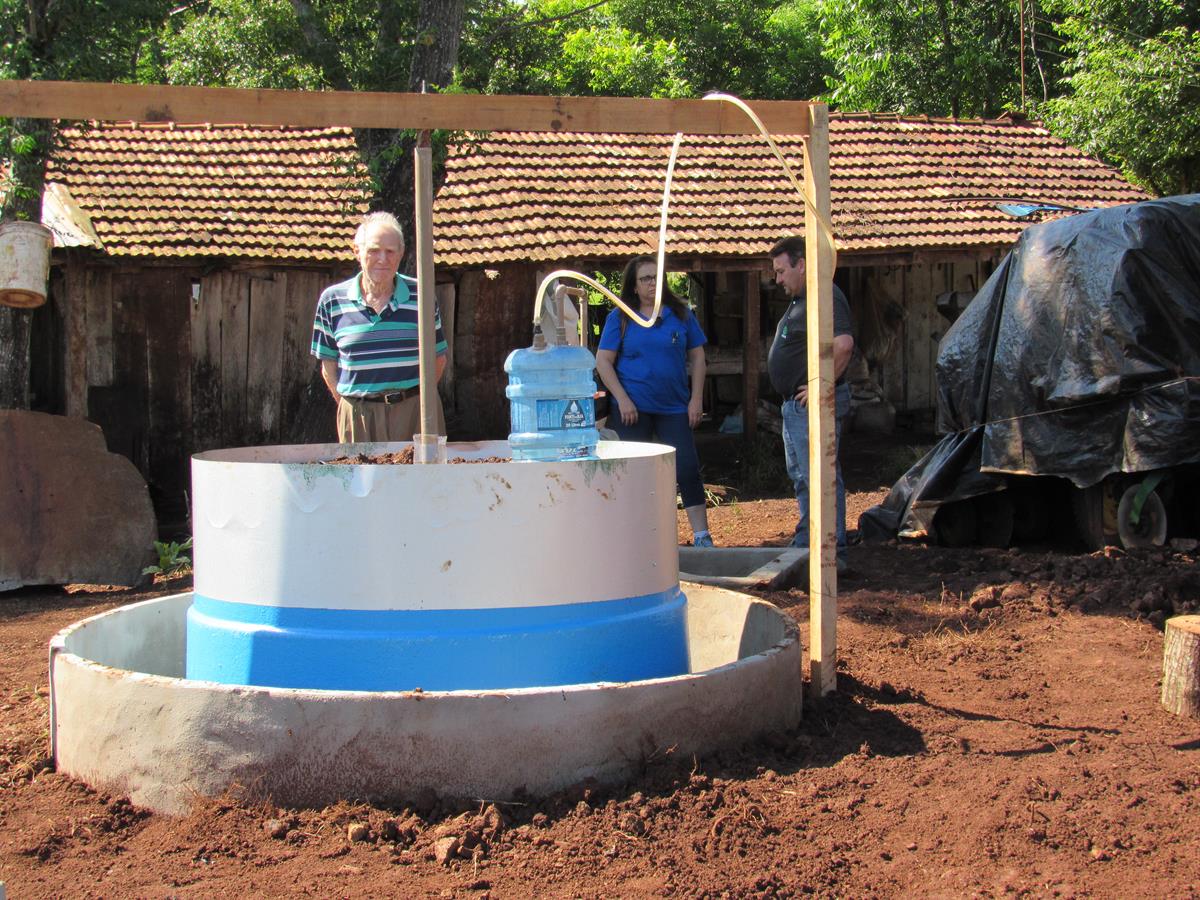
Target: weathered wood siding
[
  {"x": 494, "y": 316},
  {"x": 899, "y": 326},
  {"x": 171, "y": 361}
]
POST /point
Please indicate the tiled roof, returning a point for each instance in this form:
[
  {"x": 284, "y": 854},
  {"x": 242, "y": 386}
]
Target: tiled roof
[
  {"x": 287, "y": 193},
  {"x": 215, "y": 190},
  {"x": 897, "y": 185}
]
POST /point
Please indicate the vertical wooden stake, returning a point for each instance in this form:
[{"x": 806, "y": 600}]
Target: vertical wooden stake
[
  {"x": 426, "y": 333},
  {"x": 822, "y": 505},
  {"x": 751, "y": 354}
]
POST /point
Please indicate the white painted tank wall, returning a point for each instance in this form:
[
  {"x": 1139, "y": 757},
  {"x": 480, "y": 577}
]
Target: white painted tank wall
[
  {"x": 122, "y": 721},
  {"x": 285, "y": 531}
]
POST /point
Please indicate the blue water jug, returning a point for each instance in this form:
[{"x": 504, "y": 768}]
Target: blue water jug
[{"x": 552, "y": 406}]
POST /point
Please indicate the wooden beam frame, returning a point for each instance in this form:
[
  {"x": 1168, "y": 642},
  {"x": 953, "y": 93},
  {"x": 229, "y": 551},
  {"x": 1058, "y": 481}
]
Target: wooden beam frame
[
  {"x": 475, "y": 112},
  {"x": 319, "y": 109},
  {"x": 822, "y": 412}
]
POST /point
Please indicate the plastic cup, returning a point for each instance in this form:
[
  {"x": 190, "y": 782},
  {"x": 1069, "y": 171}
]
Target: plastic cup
[{"x": 429, "y": 448}]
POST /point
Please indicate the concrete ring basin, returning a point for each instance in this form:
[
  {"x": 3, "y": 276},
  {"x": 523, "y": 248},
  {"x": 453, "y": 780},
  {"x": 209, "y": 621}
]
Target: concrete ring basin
[{"x": 126, "y": 721}]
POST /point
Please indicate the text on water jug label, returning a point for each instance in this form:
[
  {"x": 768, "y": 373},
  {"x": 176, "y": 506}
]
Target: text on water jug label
[{"x": 565, "y": 413}]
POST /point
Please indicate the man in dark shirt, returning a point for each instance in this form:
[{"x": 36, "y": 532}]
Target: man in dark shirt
[{"x": 787, "y": 366}]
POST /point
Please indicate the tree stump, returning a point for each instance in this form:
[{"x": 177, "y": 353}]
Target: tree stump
[{"x": 1181, "y": 666}]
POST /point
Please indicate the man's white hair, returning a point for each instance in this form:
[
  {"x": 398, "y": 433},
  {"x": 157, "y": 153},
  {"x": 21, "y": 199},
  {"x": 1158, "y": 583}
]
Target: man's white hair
[{"x": 384, "y": 219}]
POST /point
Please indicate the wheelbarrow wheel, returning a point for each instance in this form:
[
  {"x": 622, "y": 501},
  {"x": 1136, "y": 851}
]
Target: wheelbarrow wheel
[{"x": 1151, "y": 527}]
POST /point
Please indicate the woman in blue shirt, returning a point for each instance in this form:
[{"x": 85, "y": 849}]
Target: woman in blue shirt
[{"x": 646, "y": 373}]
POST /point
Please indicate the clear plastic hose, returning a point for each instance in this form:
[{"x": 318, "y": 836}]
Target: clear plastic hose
[
  {"x": 662, "y": 225},
  {"x": 635, "y": 315}
]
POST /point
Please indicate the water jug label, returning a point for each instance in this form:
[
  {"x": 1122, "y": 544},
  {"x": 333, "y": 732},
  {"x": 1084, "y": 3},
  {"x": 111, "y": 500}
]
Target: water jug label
[{"x": 555, "y": 415}]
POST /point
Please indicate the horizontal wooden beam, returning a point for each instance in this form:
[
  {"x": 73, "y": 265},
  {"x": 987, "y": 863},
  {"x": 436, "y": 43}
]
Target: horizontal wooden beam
[{"x": 319, "y": 109}]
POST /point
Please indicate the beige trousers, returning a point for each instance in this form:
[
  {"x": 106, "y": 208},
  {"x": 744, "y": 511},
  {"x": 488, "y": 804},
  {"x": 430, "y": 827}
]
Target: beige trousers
[{"x": 370, "y": 420}]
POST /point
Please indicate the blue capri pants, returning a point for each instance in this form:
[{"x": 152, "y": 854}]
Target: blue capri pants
[{"x": 672, "y": 429}]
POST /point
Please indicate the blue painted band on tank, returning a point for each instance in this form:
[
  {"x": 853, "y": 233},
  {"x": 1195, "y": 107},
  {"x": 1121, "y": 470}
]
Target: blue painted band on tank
[{"x": 438, "y": 650}]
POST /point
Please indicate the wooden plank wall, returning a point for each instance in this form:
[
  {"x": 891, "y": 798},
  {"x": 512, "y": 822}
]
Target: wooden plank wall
[
  {"x": 171, "y": 361},
  {"x": 494, "y": 316},
  {"x": 250, "y": 364},
  {"x": 907, "y": 370}
]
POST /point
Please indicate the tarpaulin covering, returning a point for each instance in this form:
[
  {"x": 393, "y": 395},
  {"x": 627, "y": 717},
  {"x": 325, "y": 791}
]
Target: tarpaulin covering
[{"x": 1078, "y": 358}]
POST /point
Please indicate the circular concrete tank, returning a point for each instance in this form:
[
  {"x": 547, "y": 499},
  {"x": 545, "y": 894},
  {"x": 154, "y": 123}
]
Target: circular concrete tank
[{"x": 125, "y": 720}]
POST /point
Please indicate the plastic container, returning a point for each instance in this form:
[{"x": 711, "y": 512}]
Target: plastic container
[
  {"x": 24, "y": 263},
  {"x": 552, "y": 403}
]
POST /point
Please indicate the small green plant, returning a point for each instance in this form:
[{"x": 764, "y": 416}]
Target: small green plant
[{"x": 171, "y": 557}]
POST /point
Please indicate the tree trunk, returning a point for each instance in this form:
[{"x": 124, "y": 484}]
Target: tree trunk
[
  {"x": 14, "y": 357},
  {"x": 439, "y": 29},
  {"x": 1181, "y": 666},
  {"x": 435, "y": 54}
]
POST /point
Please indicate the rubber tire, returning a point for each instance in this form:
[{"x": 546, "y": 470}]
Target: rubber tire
[{"x": 1151, "y": 529}]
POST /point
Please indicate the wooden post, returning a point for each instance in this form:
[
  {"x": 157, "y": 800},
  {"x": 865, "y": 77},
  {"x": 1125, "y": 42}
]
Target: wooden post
[
  {"x": 751, "y": 353},
  {"x": 1181, "y": 666},
  {"x": 822, "y": 457},
  {"x": 585, "y": 321},
  {"x": 427, "y": 333}
]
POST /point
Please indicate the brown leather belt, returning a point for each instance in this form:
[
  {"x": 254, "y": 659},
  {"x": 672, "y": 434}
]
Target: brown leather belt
[{"x": 391, "y": 396}]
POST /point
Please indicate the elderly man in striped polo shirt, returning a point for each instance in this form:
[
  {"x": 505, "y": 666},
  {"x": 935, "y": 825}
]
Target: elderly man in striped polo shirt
[{"x": 365, "y": 336}]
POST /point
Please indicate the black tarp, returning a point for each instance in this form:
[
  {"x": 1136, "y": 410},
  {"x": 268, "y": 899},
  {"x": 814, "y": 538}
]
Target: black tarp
[{"x": 1078, "y": 358}]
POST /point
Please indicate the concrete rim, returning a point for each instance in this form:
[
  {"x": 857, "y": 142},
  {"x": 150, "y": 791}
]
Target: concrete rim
[{"x": 124, "y": 720}]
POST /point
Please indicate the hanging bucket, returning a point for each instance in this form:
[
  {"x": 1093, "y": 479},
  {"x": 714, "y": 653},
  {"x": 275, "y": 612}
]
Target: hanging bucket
[{"x": 24, "y": 263}]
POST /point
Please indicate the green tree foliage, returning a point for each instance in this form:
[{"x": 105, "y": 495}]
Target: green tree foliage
[
  {"x": 570, "y": 48},
  {"x": 729, "y": 45},
  {"x": 932, "y": 57},
  {"x": 1132, "y": 89},
  {"x": 798, "y": 65},
  {"x": 292, "y": 44},
  {"x": 647, "y": 48},
  {"x": 85, "y": 40},
  {"x": 238, "y": 43}
]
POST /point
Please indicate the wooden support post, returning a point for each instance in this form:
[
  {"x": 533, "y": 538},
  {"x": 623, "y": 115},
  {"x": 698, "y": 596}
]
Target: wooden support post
[
  {"x": 585, "y": 320},
  {"x": 1181, "y": 666},
  {"x": 751, "y": 353},
  {"x": 822, "y": 455},
  {"x": 427, "y": 333}
]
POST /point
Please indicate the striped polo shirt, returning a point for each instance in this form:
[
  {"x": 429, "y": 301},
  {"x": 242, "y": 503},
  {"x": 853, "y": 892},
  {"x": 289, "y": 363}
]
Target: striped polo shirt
[{"x": 374, "y": 352}]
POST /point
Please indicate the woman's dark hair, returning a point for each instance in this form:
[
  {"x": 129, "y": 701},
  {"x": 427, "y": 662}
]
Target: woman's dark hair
[{"x": 629, "y": 288}]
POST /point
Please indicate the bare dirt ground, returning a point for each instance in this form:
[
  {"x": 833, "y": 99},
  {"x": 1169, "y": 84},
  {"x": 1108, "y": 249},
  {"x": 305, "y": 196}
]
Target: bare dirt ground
[{"x": 996, "y": 731}]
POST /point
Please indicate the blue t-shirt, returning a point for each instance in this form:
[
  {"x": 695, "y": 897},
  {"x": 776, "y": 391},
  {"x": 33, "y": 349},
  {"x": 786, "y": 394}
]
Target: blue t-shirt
[{"x": 652, "y": 362}]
